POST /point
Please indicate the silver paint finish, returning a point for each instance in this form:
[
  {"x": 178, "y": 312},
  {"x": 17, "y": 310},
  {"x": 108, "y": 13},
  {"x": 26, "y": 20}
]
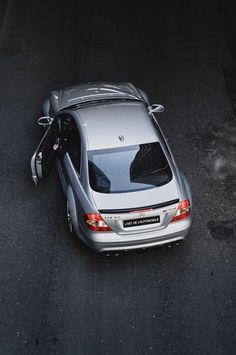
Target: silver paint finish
[
  {"x": 112, "y": 241},
  {"x": 78, "y": 94},
  {"x": 100, "y": 126},
  {"x": 33, "y": 169},
  {"x": 127, "y": 119},
  {"x": 137, "y": 198}
]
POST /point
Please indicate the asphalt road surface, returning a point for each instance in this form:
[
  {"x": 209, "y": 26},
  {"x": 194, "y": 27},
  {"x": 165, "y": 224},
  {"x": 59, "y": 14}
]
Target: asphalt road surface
[{"x": 56, "y": 295}]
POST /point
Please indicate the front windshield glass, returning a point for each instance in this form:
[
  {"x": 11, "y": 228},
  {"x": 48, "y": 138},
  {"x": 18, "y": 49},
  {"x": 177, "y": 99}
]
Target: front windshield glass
[{"x": 128, "y": 169}]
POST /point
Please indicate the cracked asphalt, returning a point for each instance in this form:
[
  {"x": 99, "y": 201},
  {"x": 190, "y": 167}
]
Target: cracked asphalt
[{"x": 56, "y": 295}]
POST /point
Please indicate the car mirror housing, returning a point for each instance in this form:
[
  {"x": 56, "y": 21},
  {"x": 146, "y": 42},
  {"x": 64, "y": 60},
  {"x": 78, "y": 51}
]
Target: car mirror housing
[
  {"x": 45, "y": 121},
  {"x": 155, "y": 108}
]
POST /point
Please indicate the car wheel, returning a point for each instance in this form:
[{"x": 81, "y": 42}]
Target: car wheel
[{"x": 69, "y": 218}]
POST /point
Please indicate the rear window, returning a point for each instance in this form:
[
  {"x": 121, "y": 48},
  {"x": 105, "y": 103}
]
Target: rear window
[{"x": 128, "y": 169}]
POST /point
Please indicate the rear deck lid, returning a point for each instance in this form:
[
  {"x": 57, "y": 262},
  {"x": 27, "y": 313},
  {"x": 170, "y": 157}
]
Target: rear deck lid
[{"x": 133, "y": 212}]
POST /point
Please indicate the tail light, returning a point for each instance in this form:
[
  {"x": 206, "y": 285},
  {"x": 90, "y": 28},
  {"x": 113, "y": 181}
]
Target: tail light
[
  {"x": 95, "y": 222},
  {"x": 183, "y": 211}
]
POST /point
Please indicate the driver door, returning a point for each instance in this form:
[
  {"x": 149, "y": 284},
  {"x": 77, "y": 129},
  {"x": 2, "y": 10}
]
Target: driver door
[{"x": 45, "y": 155}]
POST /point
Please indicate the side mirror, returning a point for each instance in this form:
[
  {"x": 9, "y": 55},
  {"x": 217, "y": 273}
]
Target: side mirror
[
  {"x": 156, "y": 108},
  {"x": 45, "y": 121}
]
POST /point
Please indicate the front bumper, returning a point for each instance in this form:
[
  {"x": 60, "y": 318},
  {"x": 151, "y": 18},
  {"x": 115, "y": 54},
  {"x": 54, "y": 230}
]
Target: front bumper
[{"x": 110, "y": 241}]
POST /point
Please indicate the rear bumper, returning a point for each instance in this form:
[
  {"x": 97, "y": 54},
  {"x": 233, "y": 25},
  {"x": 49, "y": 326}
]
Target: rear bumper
[{"x": 111, "y": 241}]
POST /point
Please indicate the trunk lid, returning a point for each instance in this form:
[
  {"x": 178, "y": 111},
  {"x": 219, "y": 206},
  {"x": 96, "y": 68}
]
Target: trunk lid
[{"x": 140, "y": 211}]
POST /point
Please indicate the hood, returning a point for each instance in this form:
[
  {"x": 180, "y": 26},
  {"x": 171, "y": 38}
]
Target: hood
[{"x": 82, "y": 93}]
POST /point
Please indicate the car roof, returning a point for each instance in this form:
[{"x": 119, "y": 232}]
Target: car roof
[
  {"x": 82, "y": 93},
  {"x": 105, "y": 125}
]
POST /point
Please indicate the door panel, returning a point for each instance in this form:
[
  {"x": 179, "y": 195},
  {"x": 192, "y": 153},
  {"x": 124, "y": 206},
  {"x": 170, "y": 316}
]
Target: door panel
[{"x": 46, "y": 153}]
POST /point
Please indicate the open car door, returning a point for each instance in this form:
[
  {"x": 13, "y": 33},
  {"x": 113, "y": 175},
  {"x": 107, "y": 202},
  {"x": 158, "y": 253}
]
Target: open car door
[{"x": 45, "y": 155}]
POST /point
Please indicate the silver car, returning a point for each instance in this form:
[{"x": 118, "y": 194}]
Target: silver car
[{"x": 122, "y": 186}]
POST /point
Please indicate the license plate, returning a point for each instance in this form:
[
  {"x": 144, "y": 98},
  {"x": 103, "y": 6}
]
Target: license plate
[{"x": 141, "y": 221}]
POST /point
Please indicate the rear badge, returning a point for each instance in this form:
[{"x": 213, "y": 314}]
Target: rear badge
[{"x": 121, "y": 138}]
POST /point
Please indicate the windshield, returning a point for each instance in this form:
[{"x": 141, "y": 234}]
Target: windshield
[{"x": 128, "y": 169}]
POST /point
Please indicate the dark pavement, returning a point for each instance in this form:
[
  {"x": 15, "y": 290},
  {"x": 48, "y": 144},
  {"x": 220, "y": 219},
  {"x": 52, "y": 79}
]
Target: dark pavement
[{"x": 57, "y": 296}]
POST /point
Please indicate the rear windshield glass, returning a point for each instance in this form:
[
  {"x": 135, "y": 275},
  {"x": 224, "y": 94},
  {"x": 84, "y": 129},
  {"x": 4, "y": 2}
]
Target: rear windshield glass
[{"x": 127, "y": 169}]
